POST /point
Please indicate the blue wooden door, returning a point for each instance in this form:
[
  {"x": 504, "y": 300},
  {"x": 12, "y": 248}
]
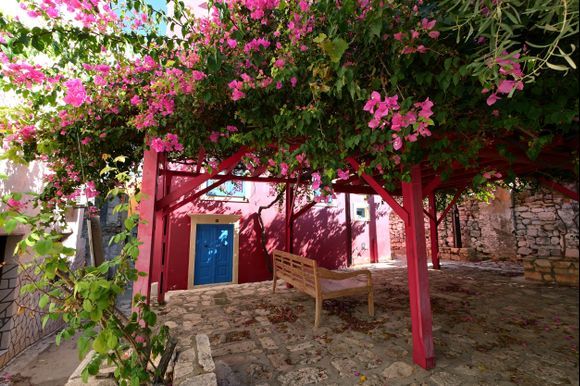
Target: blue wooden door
[{"x": 214, "y": 253}]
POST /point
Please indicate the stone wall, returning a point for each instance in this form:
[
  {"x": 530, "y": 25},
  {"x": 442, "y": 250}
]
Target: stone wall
[
  {"x": 538, "y": 226},
  {"x": 547, "y": 236},
  {"x": 20, "y": 319}
]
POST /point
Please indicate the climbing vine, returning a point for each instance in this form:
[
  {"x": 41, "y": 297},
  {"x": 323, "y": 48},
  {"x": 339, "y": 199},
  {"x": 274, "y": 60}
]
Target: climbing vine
[{"x": 301, "y": 84}]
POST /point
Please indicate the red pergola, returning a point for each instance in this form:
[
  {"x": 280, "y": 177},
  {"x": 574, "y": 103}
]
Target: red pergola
[{"x": 159, "y": 201}]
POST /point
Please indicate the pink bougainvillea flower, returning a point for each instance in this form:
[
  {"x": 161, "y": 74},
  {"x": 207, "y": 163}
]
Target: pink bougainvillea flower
[
  {"x": 434, "y": 34},
  {"x": 425, "y": 106},
  {"x": 492, "y": 99},
  {"x": 316, "y": 181},
  {"x": 15, "y": 204},
  {"x": 26, "y": 132},
  {"x": 76, "y": 94},
  {"x": 343, "y": 174},
  {"x": 284, "y": 168},
  {"x": 135, "y": 100},
  {"x": 198, "y": 75},
  {"x": 232, "y": 43},
  {"x": 372, "y": 102},
  {"x": 399, "y": 36},
  {"x": 91, "y": 190},
  {"x": 293, "y": 81},
  {"x": 428, "y": 24},
  {"x": 374, "y": 123},
  {"x": 397, "y": 142},
  {"x": 158, "y": 145},
  {"x": 231, "y": 129},
  {"x": 214, "y": 136}
]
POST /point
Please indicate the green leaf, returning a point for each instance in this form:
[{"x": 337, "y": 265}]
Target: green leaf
[
  {"x": 100, "y": 343},
  {"x": 10, "y": 225},
  {"x": 376, "y": 27},
  {"x": 335, "y": 49},
  {"x": 43, "y": 247},
  {"x": 43, "y": 301},
  {"x": 112, "y": 341}
]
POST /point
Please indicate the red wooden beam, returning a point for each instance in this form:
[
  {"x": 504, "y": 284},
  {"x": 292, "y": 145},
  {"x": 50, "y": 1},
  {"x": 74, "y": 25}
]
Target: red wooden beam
[
  {"x": 432, "y": 185},
  {"x": 422, "y": 324},
  {"x": 259, "y": 171},
  {"x": 179, "y": 194},
  {"x": 199, "y": 193},
  {"x": 146, "y": 229},
  {"x": 453, "y": 201},
  {"x": 426, "y": 213},
  {"x": 380, "y": 190},
  {"x": 433, "y": 233},
  {"x": 253, "y": 178},
  {"x": 354, "y": 189},
  {"x": 559, "y": 188}
]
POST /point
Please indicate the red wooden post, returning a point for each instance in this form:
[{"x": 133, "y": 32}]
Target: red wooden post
[
  {"x": 289, "y": 234},
  {"x": 373, "y": 245},
  {"x": 433, "y": 231},
  {"x": 423, "y": 351},
  {"x": 146, "y": 230},
  {"x": 348, "y": 229}
]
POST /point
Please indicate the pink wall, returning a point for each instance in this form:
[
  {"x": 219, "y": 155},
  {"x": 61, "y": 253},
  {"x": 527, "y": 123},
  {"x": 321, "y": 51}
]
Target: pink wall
[{"x": 320, "y": 233}]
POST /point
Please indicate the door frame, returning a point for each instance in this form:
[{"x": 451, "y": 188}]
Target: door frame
[{"x": 213, "y": 219}]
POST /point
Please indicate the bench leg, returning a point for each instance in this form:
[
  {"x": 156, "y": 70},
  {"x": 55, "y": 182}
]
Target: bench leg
[
  {"x": 318, "y": 312},
  {"x": 274, "y": 284},
  {"x": 371, "y": 303}
]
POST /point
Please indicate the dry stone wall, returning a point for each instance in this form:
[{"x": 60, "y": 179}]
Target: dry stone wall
[{"x": 538, "y": 227}]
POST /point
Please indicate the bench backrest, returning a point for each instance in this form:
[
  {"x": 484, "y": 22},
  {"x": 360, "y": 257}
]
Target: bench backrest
[{"x": 296, "y": 270}]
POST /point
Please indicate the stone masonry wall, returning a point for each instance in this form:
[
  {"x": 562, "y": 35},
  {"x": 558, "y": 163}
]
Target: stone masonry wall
[
  {"x": 20, "y": 320},
  {"x": 547, "y": 236},
  {"x": 538, "y": 227}
]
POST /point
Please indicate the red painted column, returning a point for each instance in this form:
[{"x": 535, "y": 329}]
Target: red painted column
[
  {"x": 423, "y": 351},
  {"x": 146, "y": 230},
  {"x": 373, "y": 244},
  {"x": 348, "y": 221},
  {"x": 434, "y": 234},
  {"x": 289, "y": 228}
]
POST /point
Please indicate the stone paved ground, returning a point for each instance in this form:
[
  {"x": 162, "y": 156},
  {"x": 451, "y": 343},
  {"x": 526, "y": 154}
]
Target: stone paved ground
[{"x": 490, "y": 328}]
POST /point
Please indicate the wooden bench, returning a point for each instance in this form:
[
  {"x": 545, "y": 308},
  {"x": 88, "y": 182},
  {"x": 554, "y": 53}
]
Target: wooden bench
[{"x": 320, "y": 283}]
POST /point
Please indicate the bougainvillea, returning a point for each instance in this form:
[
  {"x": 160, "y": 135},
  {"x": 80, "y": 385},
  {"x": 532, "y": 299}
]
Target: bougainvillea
[
  {"x": 301, "y": 84},
  {"x": 324, "y": 79}
]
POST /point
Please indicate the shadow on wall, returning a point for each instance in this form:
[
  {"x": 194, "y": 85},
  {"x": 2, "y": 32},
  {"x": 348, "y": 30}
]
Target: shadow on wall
[{"x": 319, "y": 234}]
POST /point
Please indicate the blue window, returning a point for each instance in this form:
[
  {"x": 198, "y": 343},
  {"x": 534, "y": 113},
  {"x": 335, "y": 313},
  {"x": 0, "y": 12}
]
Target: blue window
[{"x": 228, "y": 190}]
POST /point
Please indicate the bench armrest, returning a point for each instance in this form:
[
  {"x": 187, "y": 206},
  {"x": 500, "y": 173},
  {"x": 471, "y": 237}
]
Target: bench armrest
[{"x": 327, "y": 274}]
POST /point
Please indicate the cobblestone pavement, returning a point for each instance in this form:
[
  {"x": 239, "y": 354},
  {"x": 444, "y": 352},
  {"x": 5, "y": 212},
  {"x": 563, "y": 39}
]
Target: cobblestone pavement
[{"x": 490, "y": 328}]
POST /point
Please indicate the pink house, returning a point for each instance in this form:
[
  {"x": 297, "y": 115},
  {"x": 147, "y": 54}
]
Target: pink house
[{"x": 217, "y": 238}]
